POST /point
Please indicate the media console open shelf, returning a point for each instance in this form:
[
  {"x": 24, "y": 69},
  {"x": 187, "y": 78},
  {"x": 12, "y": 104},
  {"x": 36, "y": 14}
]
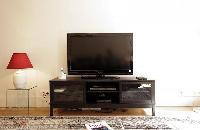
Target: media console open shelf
[{"x": 126, "y": 92}]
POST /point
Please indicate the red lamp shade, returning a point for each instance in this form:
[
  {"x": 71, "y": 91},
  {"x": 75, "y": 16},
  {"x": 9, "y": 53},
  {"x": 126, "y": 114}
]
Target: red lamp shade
[{"x": 19, "y": 61}]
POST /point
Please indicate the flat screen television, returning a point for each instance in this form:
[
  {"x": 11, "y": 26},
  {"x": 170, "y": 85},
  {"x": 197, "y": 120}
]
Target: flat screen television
[{"x": 100, "y": 53}]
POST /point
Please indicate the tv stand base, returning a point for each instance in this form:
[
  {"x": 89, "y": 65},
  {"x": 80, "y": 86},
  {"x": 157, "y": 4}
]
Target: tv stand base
[{"x": 77, "y": 93}]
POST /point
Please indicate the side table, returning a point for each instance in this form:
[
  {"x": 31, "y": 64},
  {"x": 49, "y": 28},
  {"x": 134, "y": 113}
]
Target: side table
[{"x": 19, "y": 92}]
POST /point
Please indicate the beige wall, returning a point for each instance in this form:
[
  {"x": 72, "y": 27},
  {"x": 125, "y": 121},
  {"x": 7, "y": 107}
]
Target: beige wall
[
  {"x": 38, "y": 28},
  {"x": 166, "y": 40}
]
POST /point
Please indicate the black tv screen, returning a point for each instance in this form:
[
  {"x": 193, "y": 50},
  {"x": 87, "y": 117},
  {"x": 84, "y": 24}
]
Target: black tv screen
[{"x": 105, "y": 53}]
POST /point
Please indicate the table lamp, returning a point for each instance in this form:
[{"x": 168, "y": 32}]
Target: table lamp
[{"x": 19, "y": 61}]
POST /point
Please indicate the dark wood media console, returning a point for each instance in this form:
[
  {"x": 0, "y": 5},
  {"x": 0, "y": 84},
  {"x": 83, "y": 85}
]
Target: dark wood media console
[{"x": 102, "y": 93}]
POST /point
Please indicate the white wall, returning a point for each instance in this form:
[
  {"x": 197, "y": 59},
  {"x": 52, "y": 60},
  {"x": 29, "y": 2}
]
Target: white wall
[{"x": 166, "y": 40}]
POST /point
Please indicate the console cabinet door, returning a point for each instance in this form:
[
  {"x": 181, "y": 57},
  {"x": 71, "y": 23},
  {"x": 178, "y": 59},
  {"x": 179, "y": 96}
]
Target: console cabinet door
[
  {"x": 68, "y": 93},
  {"x": 135, "y": 93}
]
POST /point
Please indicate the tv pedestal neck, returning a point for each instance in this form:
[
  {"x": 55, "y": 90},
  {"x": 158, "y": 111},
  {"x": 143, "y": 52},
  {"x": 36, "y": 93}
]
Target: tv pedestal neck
[{"x": 127, "y": 92}]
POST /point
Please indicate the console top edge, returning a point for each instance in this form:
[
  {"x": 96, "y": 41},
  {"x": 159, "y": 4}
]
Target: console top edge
[{"x": 101, "y": 80}]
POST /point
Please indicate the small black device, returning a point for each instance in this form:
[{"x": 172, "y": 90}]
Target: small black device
[{"x": 141, "y": 78}]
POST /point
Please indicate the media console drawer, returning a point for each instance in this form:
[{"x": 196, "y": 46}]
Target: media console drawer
[
  {"x": 68, "y": 93},
  {"x": 135, "y": 97},
  {"x": 136, "y": 92}
]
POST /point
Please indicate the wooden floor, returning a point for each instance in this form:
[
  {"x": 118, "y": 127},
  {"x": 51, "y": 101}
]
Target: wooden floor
[{"x": 64, "y": 112}]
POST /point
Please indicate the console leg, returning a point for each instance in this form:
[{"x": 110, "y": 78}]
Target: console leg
[
  {"x": 153, "y": 110},
  {"x": 51, "y": 111}
]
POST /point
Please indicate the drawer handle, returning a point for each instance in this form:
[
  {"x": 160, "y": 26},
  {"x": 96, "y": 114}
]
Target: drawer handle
[{"x": 59, "y": 90}]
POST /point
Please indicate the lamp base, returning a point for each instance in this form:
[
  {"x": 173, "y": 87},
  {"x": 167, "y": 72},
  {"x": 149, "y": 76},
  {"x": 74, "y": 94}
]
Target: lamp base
[{"x": 20, "y": 79}]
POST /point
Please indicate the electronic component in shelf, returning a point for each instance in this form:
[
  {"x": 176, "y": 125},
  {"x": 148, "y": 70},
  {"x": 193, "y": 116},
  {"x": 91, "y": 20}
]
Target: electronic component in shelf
[{"x": 107, "y": 89}]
